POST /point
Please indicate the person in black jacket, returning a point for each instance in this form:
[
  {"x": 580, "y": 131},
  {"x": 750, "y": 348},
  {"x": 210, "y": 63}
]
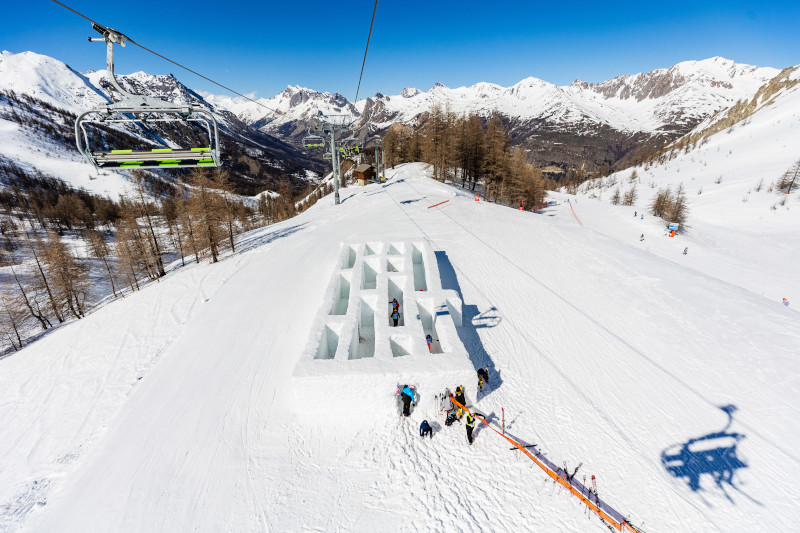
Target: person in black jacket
[
  {"x": 483, "y": 376},
  {"x": 460, "y": 399},
  {"x": 470, "y": 426}
]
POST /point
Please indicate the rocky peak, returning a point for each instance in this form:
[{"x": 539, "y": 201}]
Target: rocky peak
[{"x": 409, "y": 92}]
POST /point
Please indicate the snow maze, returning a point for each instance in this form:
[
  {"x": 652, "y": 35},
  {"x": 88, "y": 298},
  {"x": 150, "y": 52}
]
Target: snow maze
[{"x": 356, "y": 355}]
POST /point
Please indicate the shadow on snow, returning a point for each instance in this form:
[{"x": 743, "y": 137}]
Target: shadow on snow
[
  {"x": 713, "y": 455},
  {"x": 472, "y": 320}
]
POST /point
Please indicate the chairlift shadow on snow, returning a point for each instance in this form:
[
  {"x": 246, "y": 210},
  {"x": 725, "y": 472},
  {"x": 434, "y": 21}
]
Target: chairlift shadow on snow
[
  {"x": 267, "y": 237},
  {"x": 393, "y": 182},
  {"x": 472, "y": 321},
  {"x": 406, "y": 202},
  {"x": 712, "y": 455}
]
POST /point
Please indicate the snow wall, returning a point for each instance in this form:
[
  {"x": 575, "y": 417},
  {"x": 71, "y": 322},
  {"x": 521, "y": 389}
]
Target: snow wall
[{"x": 355, "y": 357}]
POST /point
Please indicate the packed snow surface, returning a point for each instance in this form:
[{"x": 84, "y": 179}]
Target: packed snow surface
[
  {"x": 174, "y": 408},
  {"x": 738, "y": 218}
]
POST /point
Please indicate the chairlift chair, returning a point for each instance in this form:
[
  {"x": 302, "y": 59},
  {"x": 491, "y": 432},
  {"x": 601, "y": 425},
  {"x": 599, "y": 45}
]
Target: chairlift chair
[
  {"x": 149, "y": 110},
  {"x": 313, "y": 141}
]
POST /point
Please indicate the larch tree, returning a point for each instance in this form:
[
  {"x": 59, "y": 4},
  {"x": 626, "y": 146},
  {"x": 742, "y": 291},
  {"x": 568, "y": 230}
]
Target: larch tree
[{"x": 99, "y": 248}]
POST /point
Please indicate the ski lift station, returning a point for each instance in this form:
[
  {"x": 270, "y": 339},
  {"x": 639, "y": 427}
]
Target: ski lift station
[{"x": 355, "y": 356}]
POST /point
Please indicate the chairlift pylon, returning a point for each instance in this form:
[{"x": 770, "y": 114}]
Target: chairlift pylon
[{"x": 150, "y": 110}]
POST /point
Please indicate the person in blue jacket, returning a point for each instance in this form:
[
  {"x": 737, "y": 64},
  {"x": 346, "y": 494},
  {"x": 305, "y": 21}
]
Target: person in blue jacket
[
  {"x": 395, "y": 316},
  {"x": 407, "y": 395},
  {"x": 425, "y": 430}
]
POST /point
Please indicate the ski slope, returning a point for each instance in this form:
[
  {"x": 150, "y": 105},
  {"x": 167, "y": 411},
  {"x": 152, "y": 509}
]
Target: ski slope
[{"x": 175, "y": 410}]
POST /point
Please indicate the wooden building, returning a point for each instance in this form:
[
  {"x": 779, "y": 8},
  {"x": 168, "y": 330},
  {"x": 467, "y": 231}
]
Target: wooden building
[{"x": 363, "y": 173}]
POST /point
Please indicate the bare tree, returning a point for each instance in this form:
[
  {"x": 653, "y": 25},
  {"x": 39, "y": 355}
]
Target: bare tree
[
  {"x": 12, "y": 319},
  {"x": 30, "y": 302},
  {"x": 786, "y": 182},
  {"x": 99, "y": 248},
  {"x": 68, "y": 275}
]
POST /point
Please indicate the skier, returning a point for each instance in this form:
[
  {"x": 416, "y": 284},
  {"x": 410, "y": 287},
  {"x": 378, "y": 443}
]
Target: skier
[
  {"x": 425, "y": 430},
  {"x": 408, "y": 398},
  {"x": 395, "y": 317},
  {"x": 429, "y": 339},
  {"x": 642, "y": 237},
  {"x": 686, "y": 250},
  {"x": 470, "y": 426},
  {"x": 642, "y": 217},
  {"x": 634, "y": 214},
  {"x": 483, "y": 376},
  {"x": 786, "y": 302}
]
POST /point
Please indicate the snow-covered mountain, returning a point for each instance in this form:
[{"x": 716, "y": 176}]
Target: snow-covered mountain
[
  {"x": 255, "y": 159},
  {"x": 662, "y": 103}
]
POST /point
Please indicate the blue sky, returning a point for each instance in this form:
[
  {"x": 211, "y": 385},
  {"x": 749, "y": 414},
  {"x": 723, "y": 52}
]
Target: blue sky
[{"x": 263, "y": 46}]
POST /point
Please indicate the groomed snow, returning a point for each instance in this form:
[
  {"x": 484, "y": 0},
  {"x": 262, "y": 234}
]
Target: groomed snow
[
  {"x": 738, "y": 221},
  {"x": 173, "y": 409}
]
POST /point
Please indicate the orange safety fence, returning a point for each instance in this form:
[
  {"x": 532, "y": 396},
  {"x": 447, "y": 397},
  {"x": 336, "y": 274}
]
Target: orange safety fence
[
  {"x": 599, "y": 507},
  {"x": 440, "y": 203},
  {"x": 573, "y": 212}
]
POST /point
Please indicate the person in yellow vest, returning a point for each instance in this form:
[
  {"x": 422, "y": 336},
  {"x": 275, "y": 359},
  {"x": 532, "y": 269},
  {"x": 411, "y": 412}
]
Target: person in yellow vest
[{"x": 470, "y": 426}]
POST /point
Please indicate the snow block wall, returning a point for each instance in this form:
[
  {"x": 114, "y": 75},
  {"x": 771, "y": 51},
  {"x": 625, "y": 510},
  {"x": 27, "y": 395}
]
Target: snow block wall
[{"x": 356, "y": 357}]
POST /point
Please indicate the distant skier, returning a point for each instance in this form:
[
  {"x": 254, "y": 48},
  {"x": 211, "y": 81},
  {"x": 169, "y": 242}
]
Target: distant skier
[
  {"x": 407, "y": 395},
  {"x": 786, "y": 302},
  {"x": 642, "y": 237},
  {"x": 395, "y": 316},
  {"x": 686, "y": 250},
  {"x": 642, "y": 217},
  {"x": 634, "y": 214},
  {"x": 470, "y": 426},
  {"x": 430, "y": 340},
  {"x": 425, "y": 430},
  {"x": 483, "y": 376}
]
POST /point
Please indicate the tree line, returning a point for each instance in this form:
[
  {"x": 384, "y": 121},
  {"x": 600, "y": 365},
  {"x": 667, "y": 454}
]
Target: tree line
[
  {"x": 62, "y": 250},
  {"x": 470, "y": 152}
]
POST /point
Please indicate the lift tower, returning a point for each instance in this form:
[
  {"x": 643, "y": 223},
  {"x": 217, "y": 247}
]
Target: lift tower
[{"x": 331, "y": 125}]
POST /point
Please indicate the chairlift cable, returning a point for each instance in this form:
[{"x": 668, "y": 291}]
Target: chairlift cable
[
  {"x": 97, "y": 24},
  {"x": 375, "y": 9}
]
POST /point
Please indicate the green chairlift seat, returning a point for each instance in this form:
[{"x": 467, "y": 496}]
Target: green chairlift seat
[{"x": 313, "y": 141}]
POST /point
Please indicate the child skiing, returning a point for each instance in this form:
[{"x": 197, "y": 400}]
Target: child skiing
[
  {"x": 429, "y": 339},
  {"x": 425, "y": 430},
  {"x": 686, "y": 250}
]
